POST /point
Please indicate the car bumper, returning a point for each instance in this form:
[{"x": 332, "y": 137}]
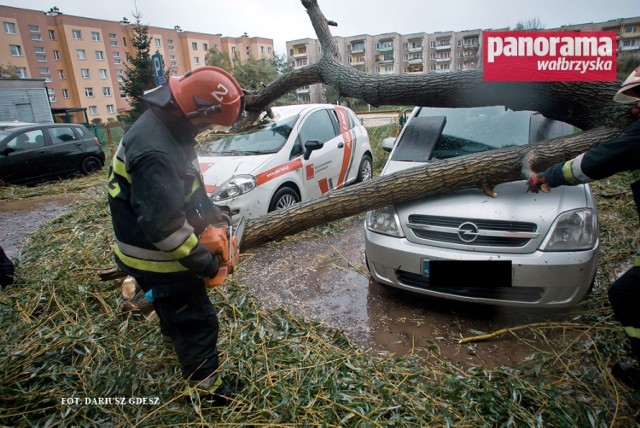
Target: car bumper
[{"x": 539, "y": 279}]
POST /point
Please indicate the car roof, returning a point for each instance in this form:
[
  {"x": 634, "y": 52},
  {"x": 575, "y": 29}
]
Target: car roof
[{"x": 282, "y": 112}]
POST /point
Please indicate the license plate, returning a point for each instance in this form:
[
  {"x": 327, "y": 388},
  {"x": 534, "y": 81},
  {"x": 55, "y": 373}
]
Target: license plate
[{"x": 468, "y": 273}]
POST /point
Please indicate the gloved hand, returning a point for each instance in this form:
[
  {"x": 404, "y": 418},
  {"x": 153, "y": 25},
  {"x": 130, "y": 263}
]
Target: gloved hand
[
  {"x": 536, "y": 182},
  {"x": 215, "y": 239}
]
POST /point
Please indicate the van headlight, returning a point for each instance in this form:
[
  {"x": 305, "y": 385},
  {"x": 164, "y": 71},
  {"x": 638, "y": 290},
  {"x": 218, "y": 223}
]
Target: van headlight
[
  {"x": 234, "y": 187},
  {"x": 384, "y": 220},
  {"x": 572, "y": 231}
]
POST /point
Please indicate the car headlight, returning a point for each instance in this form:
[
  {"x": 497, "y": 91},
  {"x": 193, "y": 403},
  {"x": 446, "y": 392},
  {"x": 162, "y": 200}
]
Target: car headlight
[
  {"x": 384, "y": 220},
  {"x": 572, "y": 231},
  {"x": 234, "y": 187}
]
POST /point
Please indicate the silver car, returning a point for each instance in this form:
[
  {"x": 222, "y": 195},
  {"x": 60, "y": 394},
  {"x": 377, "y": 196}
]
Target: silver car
[{"x": 517, "y": 249}]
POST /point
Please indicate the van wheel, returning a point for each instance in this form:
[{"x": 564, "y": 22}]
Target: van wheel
[
  {"x": 90, "y": 164},
  {"x": 365, "y": 172},
  {"x": 284, "y": 197}
]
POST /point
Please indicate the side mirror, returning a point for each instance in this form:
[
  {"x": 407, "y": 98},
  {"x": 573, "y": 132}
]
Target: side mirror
[
  {"x": 6, "y": 151},
  {"x": 310, "y": 146},
  {"x": 387, "y": 144}
]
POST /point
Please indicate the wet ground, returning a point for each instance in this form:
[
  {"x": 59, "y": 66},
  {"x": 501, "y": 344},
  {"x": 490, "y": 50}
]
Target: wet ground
[{"x": 325, "y": 278}]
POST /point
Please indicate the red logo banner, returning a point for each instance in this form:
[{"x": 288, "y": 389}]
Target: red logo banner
[{"x": 554, "y": 56}]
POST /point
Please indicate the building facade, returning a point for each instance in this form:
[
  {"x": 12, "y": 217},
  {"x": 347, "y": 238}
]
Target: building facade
[
  {"x": 83, "y": 60},
  {"x": 421, "y": 53}
]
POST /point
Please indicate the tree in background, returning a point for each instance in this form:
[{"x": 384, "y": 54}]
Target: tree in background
[
  {"x": 254, "y": 73},
  {"x": 9, "y": 71},
  {"x": 533, "y": 24},
  {"x": 139, "y": 76}
]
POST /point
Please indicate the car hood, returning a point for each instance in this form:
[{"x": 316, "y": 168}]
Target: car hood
[
  {"x": 218, "y": 169},
  {"x": 511, "y": 203}
]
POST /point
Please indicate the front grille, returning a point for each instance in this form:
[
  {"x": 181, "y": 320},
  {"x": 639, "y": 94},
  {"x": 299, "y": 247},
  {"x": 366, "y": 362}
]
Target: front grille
[
  {"x": 520, "y": 294},
  {"x": 492, "y": 233}
]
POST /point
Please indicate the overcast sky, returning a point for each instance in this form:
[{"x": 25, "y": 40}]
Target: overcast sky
[{"x": 284, "y": 20}]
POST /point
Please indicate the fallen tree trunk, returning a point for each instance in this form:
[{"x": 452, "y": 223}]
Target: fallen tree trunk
[{"x": 471, "y": 171}]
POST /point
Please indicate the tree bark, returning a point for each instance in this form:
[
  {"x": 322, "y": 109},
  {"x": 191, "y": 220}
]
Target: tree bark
[{"x": 471, "y": 171}]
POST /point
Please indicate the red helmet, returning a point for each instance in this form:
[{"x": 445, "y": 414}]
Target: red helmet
[
  {"x": 625, "y": 95},
  {"x": 208, "y": 96}
]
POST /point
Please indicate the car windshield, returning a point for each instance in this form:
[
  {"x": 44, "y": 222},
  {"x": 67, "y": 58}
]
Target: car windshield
[
  {"x": 441, "y": 133},
  {"x": 268, "y": 139}
]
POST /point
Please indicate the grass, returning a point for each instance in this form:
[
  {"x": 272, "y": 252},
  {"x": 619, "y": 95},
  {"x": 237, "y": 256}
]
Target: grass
[{"x": 63, "y": 339}]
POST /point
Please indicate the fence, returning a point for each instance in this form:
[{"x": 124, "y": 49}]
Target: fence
[{"x": 109, "y": 136}]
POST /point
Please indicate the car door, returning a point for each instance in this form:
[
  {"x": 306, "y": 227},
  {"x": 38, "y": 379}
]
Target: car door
[
  {"x": 22, "y": 157},
  {"x": 323, "y": 166},
  {"x": 65, "y": 151}
]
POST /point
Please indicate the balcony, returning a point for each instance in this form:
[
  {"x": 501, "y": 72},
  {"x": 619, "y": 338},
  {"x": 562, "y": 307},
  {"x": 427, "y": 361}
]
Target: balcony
[
  {"x": 384, "y": 46},
  {"x": 414, "y": 60},
  {"x": 413, "y": 49},
  {"x": 299, "y": 53},
  {"x": 356, "y": 61},
  {"x": 474, "y": 45},
  {"x": 357, "y": 48},
  {"x": 442, "y": 59},
  {"x": 442, "y": 46},
  {"x": 303, "y": 90}
]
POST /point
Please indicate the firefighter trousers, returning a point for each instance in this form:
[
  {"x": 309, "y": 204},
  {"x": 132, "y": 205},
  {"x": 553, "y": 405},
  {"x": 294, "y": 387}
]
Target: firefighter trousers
[
  {"x": 624, "y": 295},
  {"x": 190, "y": 320}
]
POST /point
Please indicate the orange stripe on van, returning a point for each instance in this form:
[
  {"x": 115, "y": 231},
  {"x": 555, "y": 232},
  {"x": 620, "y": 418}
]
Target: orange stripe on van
[
  {"x": 268, "y": 175},
  {"x": 324, "y": 186},
  {"x": 347, "y": 155}
]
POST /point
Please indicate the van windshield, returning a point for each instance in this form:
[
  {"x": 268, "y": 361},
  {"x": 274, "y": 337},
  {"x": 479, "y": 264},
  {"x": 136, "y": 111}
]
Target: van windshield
[{"x": 268, "y": 139}]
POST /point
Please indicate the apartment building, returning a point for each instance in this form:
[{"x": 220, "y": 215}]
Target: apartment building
[
  {"x": 83, "y": 60},
  {"x": 420, "y": 53}
]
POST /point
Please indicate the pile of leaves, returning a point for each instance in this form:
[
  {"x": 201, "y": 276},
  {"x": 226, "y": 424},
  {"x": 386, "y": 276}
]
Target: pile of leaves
[{"x": 69, "y": 357}]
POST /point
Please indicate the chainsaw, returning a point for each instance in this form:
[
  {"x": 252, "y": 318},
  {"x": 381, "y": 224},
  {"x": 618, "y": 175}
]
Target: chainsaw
[{"x": 225, "y": 242}]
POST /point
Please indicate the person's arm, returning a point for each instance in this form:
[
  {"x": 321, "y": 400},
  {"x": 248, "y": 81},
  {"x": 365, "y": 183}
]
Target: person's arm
[{"x": 157, "y": 196}]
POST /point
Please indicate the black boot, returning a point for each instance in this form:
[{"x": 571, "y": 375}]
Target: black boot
[
  {"x": 220, "y": 395},
  {"x": 627, "y": 374}
]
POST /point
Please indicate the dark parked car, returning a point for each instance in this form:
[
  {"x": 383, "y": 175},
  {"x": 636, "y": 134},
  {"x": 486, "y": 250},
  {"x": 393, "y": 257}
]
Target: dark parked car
[{"x": 33, "y": 153}]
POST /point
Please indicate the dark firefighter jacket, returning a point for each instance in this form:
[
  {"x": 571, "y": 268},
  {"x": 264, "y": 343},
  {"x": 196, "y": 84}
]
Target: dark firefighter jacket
[
  {"x": 158, "y": 203},
  {"x": 621, "y": 153}
]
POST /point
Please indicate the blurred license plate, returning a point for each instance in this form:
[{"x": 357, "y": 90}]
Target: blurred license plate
[{"x": 467, "y": 273}]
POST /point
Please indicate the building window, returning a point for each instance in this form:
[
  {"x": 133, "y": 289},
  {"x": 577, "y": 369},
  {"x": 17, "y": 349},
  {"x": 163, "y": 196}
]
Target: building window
[
  {"x": 56, "y": 55},
  {"x": 88, "y": 92},
  {"x": 95, "y": 36},
  {"x": 630, "y": 29},
  {"x": 16, "y": 50},
  {"x": 111, "y": 109},
  {"x": 194, "y": 46},
  {"x": 34, "y": 28},
  {"x": 205, "y": 47},
  {"x": 77, "y": 34},
  {"x": 44, "y": 72},
  {"x": 36, "y": 37},
  {"x": 113, "y": 36},
  {"x": 158, "y": 43},
  {"x": 81, "y": 54},
  {"x": 196, "y": 60},
  {"x": 116, "y": 58},
  {"x": 65, "y": 94},
  {"x": 52, "y": 35},
  {"x": 85, "y": 73},
  {"x": 41, "y": 58},
  {"x": 100, "y": 55},
  {"x": 93, "y": 110},
  {"x": 61, "y": 74},
  {"x": 106, "y": 91},
  {"x": 103, "y": 73},
  {"x": 22, "y": 72},
  {"x": 10, "y": 28},
  {"x": 114, "y": 43}
]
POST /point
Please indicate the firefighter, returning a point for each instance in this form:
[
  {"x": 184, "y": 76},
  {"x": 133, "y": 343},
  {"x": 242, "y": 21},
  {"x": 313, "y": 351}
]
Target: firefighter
[
  {"x": 621, "y": 153},
  {"x": 159, "y": 206}
]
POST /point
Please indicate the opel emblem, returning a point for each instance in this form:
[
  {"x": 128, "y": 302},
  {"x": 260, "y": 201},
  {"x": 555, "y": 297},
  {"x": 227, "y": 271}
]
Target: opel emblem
[{"x": 468, "y": 232}]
